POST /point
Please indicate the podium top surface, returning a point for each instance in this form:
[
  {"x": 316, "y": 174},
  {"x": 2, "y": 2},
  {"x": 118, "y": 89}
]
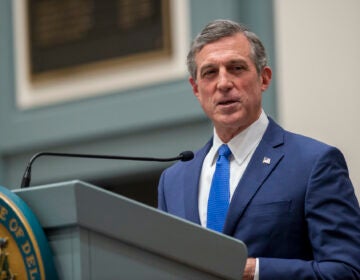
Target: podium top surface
[{"x": 76, "y": 203}]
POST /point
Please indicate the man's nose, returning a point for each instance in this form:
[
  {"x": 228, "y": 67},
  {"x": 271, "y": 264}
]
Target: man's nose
[{"x": 225, "y": 81}]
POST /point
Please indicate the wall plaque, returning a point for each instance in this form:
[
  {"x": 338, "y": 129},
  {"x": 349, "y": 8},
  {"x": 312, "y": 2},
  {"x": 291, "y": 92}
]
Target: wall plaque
[
  {"x": 68, "y": 34},
  {"x": 71, "y": 49}
]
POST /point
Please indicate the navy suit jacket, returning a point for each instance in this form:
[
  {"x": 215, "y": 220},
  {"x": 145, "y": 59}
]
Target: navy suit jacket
[{"x": 298, "y": 214}]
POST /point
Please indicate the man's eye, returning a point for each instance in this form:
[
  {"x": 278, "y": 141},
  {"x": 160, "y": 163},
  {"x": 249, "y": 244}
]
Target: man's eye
[
  {"x": 209, "y": 73},
  {"x": 238, "y": 68}
]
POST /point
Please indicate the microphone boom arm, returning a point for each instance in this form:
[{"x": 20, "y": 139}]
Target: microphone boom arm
[{"x": 184, "y": 156}]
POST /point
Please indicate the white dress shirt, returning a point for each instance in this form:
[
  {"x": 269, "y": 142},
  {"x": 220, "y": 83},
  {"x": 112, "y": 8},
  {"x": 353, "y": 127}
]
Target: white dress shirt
[{"x": 242, "y": 147}]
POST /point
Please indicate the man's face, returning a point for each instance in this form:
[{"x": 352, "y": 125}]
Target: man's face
[{"x": 228, "y": 86}]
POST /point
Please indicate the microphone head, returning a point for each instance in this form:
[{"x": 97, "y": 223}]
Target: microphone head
[{"x": 186, "y": 155}]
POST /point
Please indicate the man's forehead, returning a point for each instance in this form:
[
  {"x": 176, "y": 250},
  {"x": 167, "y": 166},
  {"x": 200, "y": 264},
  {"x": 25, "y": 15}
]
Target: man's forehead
[
  {"x": 240, "y": 38},
  {"x": 228, "y": 62},
  {"x": 223, "y": 52},
  {"x": 237, "y": 43}
]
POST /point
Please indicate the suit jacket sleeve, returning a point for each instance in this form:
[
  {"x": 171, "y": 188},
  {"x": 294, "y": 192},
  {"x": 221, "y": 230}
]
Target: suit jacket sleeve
[
  {"x": 161, "y": 198},
  {"x": 333, "y": 218}
]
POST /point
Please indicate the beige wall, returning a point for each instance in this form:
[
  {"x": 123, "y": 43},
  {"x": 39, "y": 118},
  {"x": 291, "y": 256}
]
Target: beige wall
[{"x": 318, "y": 57}]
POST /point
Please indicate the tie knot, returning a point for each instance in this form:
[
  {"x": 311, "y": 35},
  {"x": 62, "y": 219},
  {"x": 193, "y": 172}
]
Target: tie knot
[{"x": 224, "y": 151}]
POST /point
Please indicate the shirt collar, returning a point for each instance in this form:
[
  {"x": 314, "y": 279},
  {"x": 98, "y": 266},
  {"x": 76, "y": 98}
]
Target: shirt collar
[{"x": 244, "y": 142}]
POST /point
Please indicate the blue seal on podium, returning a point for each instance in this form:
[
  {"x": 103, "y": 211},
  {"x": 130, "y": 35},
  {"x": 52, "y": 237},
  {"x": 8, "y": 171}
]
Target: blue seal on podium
[{"x": 24, "y": 249}]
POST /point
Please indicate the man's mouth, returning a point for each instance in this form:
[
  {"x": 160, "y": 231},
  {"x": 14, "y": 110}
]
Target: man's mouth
[{"x": 228, "y": 102}]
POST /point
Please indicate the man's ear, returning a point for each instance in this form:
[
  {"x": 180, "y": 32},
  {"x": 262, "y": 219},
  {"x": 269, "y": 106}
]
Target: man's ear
[
  {"x": 194, "y": 86},
  {"x": 266, "y": 75}
]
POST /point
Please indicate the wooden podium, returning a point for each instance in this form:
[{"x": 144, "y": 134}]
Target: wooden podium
[{"x": 96, "y": 234}]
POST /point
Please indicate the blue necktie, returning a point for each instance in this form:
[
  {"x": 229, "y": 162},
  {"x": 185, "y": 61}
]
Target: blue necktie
[{"x": 219, "y": 196}]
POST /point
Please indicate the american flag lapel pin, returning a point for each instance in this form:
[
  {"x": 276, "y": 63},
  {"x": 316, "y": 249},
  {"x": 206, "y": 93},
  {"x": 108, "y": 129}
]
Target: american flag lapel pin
[{"x": 266, "y": 160}]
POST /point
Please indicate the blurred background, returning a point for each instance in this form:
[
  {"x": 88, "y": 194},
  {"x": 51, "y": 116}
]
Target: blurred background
[{"x": 109, "y": 77}]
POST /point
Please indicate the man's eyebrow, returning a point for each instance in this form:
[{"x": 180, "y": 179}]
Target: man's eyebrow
[
  {"x": 236, "y": 61},
  {"x": 230, "y": 62},
  {"x": 206, "y": 66}
]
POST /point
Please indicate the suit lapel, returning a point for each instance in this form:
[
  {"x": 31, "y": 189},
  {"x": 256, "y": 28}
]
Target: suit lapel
[
  {"x": 191, "y": 188},
  {"x": 264, "y": 160}
]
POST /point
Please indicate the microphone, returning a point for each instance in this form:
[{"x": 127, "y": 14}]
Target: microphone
[{"x": 25, "y": 182}]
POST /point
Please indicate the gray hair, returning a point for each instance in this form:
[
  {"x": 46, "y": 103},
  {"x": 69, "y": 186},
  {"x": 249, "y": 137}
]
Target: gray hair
[{"x": 218, "y": 29}]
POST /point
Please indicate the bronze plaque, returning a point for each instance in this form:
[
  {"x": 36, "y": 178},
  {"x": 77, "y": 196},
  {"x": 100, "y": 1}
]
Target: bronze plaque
[{"x": 67, "y": 35}]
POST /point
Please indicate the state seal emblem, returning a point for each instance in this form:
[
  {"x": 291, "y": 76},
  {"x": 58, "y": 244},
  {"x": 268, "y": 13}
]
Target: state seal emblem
[{"x": 24, "y": 251}]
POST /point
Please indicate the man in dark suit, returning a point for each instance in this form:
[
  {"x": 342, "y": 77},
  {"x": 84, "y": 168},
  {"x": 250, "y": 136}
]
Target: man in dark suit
[{"x": 290, "y": 197}]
